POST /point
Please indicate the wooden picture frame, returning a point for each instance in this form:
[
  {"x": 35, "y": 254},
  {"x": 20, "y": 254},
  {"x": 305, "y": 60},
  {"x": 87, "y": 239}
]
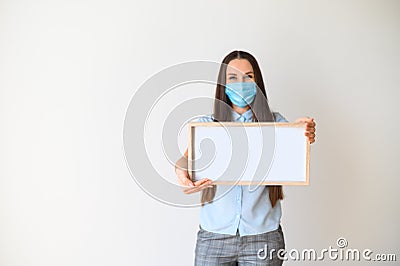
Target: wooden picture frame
[{"x": 290, "y": 155}]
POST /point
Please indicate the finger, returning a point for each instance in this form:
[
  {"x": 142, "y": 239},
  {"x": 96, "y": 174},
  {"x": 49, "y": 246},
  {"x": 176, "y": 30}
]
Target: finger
[
  {"x": 198, "y": 184},
  {"x": 205, "y": 183},
  {"x": 305, "y": 120},
  {"x": 197, "y": 189},
  {"x": 185, "y": 181},
  {"x": 201, "y": 187},
  {"x": 190, "y": 190},
  {"x": 310, "y": 130},
  {"x": 301, "y": 120},
  {"x": 311, "y": 139},
  {"x": 202, "y": 181},
  {"x": 310, "y": 124},
  {"x": 309, "y": 134}
]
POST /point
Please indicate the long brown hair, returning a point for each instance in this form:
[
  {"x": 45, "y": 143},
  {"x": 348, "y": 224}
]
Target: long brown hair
[{"x": 259, "y": 107}]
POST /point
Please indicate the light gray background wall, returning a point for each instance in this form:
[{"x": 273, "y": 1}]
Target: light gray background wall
[{"x": 69, "y": 68}]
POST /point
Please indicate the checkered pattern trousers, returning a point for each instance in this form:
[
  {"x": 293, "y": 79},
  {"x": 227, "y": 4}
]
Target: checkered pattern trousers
[{"x": 214, "y": 249}]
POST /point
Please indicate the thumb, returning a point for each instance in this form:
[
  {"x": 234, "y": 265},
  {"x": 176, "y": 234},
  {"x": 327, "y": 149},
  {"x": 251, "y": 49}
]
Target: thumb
[
  {"x": 304, "y": 120},
  {"x": 188, "y": 182}
]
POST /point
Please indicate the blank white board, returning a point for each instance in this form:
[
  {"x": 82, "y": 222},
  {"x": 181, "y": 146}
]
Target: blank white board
[{"x": 233, "y": 153}]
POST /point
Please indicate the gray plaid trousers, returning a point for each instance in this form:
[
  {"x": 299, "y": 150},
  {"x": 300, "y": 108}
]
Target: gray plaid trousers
[{"x": 214, "y": 249}]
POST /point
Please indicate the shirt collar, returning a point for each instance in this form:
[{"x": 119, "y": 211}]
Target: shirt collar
[{"x": 245, "y": 117}]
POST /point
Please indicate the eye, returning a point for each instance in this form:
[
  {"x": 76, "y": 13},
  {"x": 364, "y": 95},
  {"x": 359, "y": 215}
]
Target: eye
[
  {"x": 232, "y": 77},
  {"x": 249, "y": 76}
]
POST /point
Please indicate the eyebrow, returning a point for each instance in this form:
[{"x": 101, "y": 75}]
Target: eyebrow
[{"x": 245, "y": 73}]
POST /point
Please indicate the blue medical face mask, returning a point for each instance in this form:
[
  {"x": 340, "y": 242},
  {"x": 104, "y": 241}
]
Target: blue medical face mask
[{"x": 241, "y": 93}]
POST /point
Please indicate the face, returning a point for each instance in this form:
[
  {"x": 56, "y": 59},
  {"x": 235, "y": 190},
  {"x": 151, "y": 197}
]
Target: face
[{"x": 239, "y": 70}]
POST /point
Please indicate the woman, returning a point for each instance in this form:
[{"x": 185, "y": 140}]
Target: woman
[{"x": 243, "y": 226}]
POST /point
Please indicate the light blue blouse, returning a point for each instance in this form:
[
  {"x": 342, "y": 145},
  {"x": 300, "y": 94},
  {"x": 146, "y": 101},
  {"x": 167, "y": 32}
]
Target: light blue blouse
[{"x": 242, "y": 209}]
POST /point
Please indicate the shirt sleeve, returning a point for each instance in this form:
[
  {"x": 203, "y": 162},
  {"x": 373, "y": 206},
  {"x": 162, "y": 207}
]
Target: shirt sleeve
[
  {"x": 204, "y": 118},
  {"x": 279, "y": 117}
]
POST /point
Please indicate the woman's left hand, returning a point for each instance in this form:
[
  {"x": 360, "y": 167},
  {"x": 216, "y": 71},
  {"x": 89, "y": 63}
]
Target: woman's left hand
[{"x": 310, "y": 128}]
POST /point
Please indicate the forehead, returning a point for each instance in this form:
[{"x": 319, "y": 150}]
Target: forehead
[{"x": 239, "y": 65}]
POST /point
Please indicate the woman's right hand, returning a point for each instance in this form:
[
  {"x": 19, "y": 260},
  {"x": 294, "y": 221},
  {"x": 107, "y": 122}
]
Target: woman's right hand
[{"x": 188, "y": 186}]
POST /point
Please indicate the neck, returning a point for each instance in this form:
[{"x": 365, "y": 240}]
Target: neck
[{"x": 240, "y": 110}]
